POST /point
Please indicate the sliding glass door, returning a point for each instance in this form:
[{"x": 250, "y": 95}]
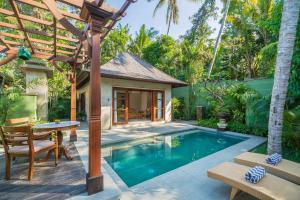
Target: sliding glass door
[
  {"x": 120, "y": 107},
  {"x": 137, "y": 105}
]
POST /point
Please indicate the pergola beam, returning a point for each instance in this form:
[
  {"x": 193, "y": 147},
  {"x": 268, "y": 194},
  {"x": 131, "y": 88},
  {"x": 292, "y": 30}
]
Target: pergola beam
[
  {"x": 44, "y": 7},
  {"x": 30, "y": 18},
  {"x": 117, "y": 15},
  {"x": 7, "y": 59},
  {"x": 14, "y": 36},
  {"x": 2, "y": 40},
  {"x": 54, "y": 36},
  {"x": 51, "y": 4},
  {"x": 79, "y": 47},
  {"x": 66, "y": 74},
  {"x": 37, "y": 32},
  {"x": 43, "y": 55},
  {"x": 17, "y": 15},
  {"x": 79, "y": 4}
]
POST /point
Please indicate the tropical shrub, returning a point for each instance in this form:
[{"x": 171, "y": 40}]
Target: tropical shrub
[
  {"x": 7, "y": 98},
  {"x": 243, "y": 128},
  {"x": 257, "y": 112},
  {"x": 10, "y": 93},
  {"x": 210, "y": 123},
  {"x": 59, "y": 109},
  {"x": 234, "y": 126},
  {"x": 178, "y": 108},
  {"x": 229, "y": 97},
  {"x": 291, "y": 129}
]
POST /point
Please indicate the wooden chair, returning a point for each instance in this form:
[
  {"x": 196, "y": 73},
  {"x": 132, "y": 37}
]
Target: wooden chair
[
  {"x": 26, "y": 121},
  {"x": 17, "y": 121},
  {"x": 30, "y": 149}
]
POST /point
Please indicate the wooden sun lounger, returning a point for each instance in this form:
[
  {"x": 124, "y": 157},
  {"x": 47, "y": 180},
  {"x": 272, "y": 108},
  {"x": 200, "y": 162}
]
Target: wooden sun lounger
[
  {"x": 270, "y": 187},
  {"x": 285, "y": 169}
]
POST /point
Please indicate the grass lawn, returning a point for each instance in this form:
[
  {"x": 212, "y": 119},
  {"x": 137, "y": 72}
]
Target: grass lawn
[{"x": 287, "y": 152}]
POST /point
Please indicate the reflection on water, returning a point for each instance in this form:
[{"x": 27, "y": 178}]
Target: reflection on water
[{"x": 141, "y": 160}]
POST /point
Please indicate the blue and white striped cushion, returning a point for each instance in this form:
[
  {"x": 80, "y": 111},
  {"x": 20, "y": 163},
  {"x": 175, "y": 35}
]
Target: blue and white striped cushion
[
  {"x": 274, "y": 159},
  {"x": 255, "y": 174}
]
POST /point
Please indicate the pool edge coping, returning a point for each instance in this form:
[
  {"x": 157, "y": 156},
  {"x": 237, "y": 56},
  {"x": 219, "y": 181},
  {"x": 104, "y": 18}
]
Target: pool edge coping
[{"x": 122, "y": 185}]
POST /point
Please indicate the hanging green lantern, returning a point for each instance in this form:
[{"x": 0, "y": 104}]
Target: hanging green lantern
[{"x": 24, "y": 53}]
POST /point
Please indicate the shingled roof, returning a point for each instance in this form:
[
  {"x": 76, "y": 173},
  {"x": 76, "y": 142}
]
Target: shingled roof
[{"x": 130, "y": 67}]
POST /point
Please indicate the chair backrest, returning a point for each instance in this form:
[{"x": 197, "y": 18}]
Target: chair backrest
[
  {"x": 12, "y": 135},
  {"x": 17, "y": 121}
]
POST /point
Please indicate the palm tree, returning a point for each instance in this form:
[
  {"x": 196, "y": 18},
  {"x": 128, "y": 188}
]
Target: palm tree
[
  {"x": 172, "y": 11},
  {"x": 218, "y": 40},
  {"x": 141, "y": 40},
  {"x": 286, "y": 42}
]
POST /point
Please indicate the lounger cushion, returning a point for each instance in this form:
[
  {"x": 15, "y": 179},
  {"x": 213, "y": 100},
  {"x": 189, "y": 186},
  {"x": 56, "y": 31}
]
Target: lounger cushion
[
  {"x": 270, "y": 187},
  {"x": 38, "y": 145},
  {"x": 285, "y": 169}
]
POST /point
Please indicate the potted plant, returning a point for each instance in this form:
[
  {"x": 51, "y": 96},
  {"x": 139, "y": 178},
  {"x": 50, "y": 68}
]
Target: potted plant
[
  {"x": 223, "y": 115},
  {"x": 216, "y": 91}
]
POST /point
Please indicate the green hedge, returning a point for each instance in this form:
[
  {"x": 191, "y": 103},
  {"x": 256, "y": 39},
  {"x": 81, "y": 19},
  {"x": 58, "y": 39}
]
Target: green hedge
[
  {"x": 197, "y": 98},
  {"x": 24, "y": 106}
]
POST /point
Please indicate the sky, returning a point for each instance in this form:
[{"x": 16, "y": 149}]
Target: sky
[{"x": 141, "y": 12}]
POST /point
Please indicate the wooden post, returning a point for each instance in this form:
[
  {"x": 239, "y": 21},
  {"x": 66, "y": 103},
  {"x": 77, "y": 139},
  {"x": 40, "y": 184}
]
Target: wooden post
[
  {"x": 73, "y": 135},
  {"x": 94, "y": 176}
]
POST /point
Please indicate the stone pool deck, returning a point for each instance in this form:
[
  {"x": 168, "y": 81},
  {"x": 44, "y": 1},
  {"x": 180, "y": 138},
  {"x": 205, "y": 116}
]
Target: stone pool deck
[{"x": 187, "y": 182}]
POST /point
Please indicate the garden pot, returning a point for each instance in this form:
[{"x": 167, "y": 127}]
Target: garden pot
[
  {"x": 222, "y": 125},
  {"x": 223, "y": 115}
]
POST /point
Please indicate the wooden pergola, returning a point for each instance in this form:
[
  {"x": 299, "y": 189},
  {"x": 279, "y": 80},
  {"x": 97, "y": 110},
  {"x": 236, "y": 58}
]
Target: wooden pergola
[{"x": 73, "y": 36}]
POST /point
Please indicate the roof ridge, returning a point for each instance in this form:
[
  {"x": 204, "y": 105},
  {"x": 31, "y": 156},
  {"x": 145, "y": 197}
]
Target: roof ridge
[
  {"x": 149, "y": 65},
  {"x": 128, "y": 66}
]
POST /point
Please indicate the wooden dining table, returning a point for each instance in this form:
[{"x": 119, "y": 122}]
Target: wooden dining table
[{"x": 58, "y": 127}]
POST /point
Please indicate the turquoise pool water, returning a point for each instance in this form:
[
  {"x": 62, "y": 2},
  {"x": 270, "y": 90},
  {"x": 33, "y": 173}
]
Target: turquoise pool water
[{"x": 141, "y": 160}]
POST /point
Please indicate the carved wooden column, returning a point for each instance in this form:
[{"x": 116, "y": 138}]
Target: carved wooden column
[
  {"x": 94, "y": 176},
  {"x": 73, "y": 135}
]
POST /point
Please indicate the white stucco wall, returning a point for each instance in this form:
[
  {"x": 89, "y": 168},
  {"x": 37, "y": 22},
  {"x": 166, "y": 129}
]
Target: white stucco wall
[
  {"x": 106, "y": 96},
  {"x": 37, "y": 83}
]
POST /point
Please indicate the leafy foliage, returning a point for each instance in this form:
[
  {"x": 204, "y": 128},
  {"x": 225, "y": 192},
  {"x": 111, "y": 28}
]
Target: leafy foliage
[
  {"x": 294, "y": 83},
  {"x": 116, "y": 42},
  {"x": 163, "y": 53},
  {"x": 228, "y": 97},
  {"x": 172, "y": 13},
  {"x": 59, "y": 96},
  {"x": 291, "y": 130},
  {"x": 141, "y": 40},
  {"x": 10, "y": 93},
  {"x": 200, "y": 28},
  {"x": 178, "y": 107},
  {"x": 210, "y": 123}
]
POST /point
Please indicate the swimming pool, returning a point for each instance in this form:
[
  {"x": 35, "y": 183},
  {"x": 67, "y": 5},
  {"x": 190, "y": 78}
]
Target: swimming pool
[{"x": 140, "y": 160}]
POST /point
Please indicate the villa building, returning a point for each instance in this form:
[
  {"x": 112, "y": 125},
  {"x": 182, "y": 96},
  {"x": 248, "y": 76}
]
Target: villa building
[{"x": 131, "y": 90}]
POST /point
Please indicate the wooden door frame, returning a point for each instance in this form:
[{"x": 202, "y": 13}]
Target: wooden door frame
[
  {"x": 126, "y": 106},
  {"x": 153, "y": 107},
  {"x": 152, "y": 118}
]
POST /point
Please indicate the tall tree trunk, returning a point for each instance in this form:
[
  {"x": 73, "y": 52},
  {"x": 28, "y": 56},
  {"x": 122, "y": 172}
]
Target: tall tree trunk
[
  {"x": 219, "y": 37},
  {"x": 169, "y": 24},
  {"x": 287, "y": 37}
]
